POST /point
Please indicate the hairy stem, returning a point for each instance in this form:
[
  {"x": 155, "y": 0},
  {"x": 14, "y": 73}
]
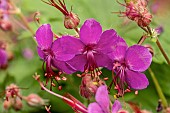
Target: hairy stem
[
  {"x": 25, "y": 22},
  {"x": 77, "y": 30},
  {"x": 73, "y": 104},
  {"x": 159, "y": 46},
  {"x": 142, "y": 39},
  {"x": 158, "y": 89},
  {"x": 162, "y": 51}
]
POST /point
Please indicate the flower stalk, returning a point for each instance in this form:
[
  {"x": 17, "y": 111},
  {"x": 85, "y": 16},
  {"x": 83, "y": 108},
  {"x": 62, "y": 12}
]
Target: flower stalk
[
  {"x": 142, "y": 39},
  {"x": 20, "y": 14},
  {"x": 158, "y": 88},
  {"x": 74, "y": 105},
  {"x": 162, "y": 51},
  {"x": 25, "y": 22},
  {"x": 159, "y": 46}
]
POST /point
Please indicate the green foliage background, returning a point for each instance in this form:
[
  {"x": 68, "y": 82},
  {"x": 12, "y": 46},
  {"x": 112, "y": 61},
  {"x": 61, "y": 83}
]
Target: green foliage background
[{"x": 20, "y": 70}]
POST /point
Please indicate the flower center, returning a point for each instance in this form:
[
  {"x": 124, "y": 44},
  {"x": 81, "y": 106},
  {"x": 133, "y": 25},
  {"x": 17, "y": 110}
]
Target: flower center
[
  {"x": 119, "y": 79},
  {"x": 90, "y": 47},
  {"x": 48, "y": 52},
  {"x": 89, "y": 51}
]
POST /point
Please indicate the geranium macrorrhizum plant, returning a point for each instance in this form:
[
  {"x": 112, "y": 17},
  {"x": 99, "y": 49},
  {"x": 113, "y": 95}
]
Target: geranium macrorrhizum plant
[{"x": 87, "y": 52}]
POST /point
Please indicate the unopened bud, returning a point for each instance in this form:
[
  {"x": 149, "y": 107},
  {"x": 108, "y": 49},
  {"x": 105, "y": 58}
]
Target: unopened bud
[
  {"x": 137, "y": 11},
  {"x": 6, "y": 104},
  {"x": 159, "y": 30},
  {"x": 5, "y": 25},
  {"x": 12, "y": 90},
  {"x": 71, "y": 21},
  {"x": 17, "y": 104},
  {"x": 88, "y": 86},
  {"x": 34, "y": 100}
]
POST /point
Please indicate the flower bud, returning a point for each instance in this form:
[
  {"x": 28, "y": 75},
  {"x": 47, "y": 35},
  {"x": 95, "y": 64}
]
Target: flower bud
[
  {"x": 12, "y": 90},
  {"x": 5, "y": 25},
  {"x": 87, "y": 87},
  {"x": 137, "y": 11},
  {"x": 6, "y": 104},
  {"x": 71, "y": 21},
  {"x": 34, "y": 100},
  {"x": 159, "y": 30},
  {"x": 17, "y": 104}
]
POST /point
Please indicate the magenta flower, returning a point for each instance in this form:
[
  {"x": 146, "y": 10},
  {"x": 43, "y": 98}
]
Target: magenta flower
[
  {"x": 3, "y": 58},
  {"x": 159, "y": 30},
  {"x": 128, "y": 63},
  {"x": 91, "y": 49},
  {"x": 28, "y": 53},
  {"x": 50, "y": 51},
  {"x": 102, "y": 102}
]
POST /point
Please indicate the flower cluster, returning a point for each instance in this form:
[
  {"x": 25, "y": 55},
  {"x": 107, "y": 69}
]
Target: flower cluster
[
  {"x": 92, "y": 50},
  {"x": 51, "y": 53},
  {"x": 136, "y": 10},
  {"x": 14, "y": 99}
]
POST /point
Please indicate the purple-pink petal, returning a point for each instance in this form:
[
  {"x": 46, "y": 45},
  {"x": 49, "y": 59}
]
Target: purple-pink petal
[
  {"x": 90, "y": 32},
  {"x": 138, "y": 58},
  {"x": 41, "y": 53},
  {"x": 44, "y": 36},
  {"x": 58, "y": 51},
  {"x": 71, "y": 45},
  {"x": 107, "y": 39},
  {"x": 95, "y": 108},
  {"x": 78, "y": 62},
  {"x": 103, "y": 60},
  {"x": 3, "y": 57},
  {"x": 116, "y": 106},
  {"x": 63, "y": 66},
  {"x": 136, "y": 80},
  {"x": 118, "y": 50},
  {"x": 102, "y": 98}
]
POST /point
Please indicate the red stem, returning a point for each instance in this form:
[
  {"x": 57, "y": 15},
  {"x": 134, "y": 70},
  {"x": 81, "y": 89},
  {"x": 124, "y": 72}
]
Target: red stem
[{"x": 69, "y": 101}]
